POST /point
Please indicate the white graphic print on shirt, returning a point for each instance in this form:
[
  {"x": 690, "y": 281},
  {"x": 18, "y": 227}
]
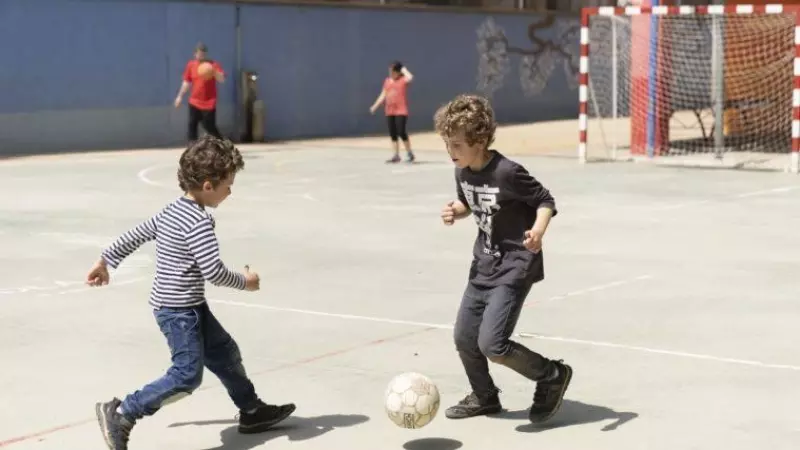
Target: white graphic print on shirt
[{"x": 482, "y": 201}]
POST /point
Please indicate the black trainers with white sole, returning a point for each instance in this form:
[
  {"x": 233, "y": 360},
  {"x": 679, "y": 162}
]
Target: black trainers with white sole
[
  {"x": 264, "y": 417},
  {"x": 472, "y": 406},
  {"x": 549, "y": 394},
  {"x": 115, "y": 427}
]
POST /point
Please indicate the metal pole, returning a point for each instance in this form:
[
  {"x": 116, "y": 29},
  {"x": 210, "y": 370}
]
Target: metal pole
[
  {"x": 239, "y": 87},
  {"x": 614, "y": 87},
  {"x": 718, "y": 82},
  {"x": 652, "y": 88}
]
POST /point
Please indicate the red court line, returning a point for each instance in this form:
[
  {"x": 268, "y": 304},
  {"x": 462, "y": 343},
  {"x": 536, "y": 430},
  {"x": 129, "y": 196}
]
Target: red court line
[
  {"x": 38, "y": 434},
  {"x": 28, "y": 437}
]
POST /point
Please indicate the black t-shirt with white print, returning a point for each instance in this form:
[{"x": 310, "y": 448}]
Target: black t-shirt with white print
[{"x": 503, "y": 198}]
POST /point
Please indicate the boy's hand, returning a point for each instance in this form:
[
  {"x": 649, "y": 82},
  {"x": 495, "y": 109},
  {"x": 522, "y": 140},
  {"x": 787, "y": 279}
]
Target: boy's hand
[
  {"x": 449, "y": 213},
  {"x": 453, "y": 211},
  {"x": 98, "y": 274},
  {"x": 533, "y": 240},
  {"x": 251, "y": 280}
]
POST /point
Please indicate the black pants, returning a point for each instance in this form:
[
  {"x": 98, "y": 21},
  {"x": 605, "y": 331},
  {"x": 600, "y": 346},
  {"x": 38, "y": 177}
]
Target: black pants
[
  {"x": 397, "y": 127},
  {"x": 485, "y": 323},
  {"x": 207, "y": 117}
]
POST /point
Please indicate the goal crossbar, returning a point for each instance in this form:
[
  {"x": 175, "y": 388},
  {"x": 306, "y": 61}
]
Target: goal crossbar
[{"x": 646, "y": 77}]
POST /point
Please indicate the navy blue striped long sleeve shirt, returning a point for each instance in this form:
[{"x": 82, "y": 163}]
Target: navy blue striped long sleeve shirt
[{"x": 187, "y": 254}]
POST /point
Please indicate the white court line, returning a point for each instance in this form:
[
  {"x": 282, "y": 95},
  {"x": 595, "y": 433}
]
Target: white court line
[
  {"x": 600, "y": 287},
  {"x": 142, "y": 175},
  {"x": 520, "y": 334},
  {"x": 779, "y": 190},
  {"x": 112, "y": 284},
  {"x": 47, "y": 291},
  {"x": 663, "y": 352},
  {"x": 767, "y": 191},
  {"x": 328, "y": 314}
]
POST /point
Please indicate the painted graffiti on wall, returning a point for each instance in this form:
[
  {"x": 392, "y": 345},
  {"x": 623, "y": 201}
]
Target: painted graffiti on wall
[{"x": 552, "y": 43}]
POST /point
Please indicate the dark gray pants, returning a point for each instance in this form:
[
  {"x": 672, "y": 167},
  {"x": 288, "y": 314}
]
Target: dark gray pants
[{"x": 485, "y": 323}]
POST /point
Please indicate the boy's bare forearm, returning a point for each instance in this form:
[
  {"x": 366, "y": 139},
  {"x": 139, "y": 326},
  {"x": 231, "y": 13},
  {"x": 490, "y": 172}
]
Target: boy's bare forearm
[{"x": 543, "y": 216}]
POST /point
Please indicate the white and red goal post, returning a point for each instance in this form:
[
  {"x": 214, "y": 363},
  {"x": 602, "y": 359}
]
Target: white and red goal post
[{"x": 691, "y": 85}]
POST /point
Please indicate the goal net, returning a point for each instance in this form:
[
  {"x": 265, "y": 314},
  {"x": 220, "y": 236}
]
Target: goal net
[{"x": 691, "y": 85}]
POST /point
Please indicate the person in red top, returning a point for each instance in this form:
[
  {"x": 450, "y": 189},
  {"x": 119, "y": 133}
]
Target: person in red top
[
  {"x": 203, "y": 96},
  {"x": 394, "y": 93}
]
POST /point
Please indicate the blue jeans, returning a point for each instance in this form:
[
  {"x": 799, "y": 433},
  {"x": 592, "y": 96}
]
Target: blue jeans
[{"x": 196, "y": 340}]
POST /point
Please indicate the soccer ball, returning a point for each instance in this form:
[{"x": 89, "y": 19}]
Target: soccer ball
[{"x": 412, "y": 400}]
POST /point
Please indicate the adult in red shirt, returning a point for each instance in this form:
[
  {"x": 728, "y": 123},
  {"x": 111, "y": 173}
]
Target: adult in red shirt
[{"x": 203, "y": 96}]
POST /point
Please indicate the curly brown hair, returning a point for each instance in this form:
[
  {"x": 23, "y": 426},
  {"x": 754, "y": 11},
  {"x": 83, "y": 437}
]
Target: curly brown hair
[
  {"x": 470, "y": 114},
  {"x": 208, "y": 159}
]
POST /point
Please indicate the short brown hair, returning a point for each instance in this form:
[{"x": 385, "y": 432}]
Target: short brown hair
[
  {"x": 470, "y": 114},
  {"x": 208, "y": 159}
]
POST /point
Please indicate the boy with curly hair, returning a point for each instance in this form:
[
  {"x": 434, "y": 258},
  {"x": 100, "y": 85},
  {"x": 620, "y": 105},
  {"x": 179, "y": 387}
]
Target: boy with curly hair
[
  {"x": 188, "y": 256},
  {"x": 512, "y": 210}
]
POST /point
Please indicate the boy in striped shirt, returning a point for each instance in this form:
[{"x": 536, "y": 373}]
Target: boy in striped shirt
[{"x": 187, "y": 256}]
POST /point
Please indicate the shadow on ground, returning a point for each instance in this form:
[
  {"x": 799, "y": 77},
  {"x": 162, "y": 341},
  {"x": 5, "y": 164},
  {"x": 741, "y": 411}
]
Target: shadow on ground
[
  {"x": 572, "y": 413},
  {"x": 294, "y": 428},
  {"x": 433, "y": 444}
]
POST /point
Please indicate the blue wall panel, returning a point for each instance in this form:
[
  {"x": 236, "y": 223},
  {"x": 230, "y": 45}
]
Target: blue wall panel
[
  {"x": 85, "y": 74},
  {"x": 80, "y": 55},
  {"x": 103, "y": 74},
  {"x": 321, "y": 68}
]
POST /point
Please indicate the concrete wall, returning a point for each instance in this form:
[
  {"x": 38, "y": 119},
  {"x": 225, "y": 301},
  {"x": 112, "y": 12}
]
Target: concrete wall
[{"x": 88, "y": 74}]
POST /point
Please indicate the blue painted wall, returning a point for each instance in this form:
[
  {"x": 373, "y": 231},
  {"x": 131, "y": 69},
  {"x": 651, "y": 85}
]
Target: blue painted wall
[
  {"x": 88, "y": 74},
  {"x": 102, "y": 74}
]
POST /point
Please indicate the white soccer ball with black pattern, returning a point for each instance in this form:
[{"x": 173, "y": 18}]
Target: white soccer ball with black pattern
[{"x": 412, "y": 400}]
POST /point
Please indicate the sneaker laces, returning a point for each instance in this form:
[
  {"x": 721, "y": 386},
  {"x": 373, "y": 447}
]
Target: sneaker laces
[
  {"x": 471, "y": 398},
  {"x": 540, "y": 395},
  {"x": 271, "y": 409}
]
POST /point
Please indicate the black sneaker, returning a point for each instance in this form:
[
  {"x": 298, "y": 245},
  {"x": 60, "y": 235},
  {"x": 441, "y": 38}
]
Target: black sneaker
[
  {"x": 549, "y": 394},
  {"x": 410, "y": 158},
  {"x": 264, "y": 417},
  {"x": 472, "y": 406},
  {"x": 115, "y": 427}
]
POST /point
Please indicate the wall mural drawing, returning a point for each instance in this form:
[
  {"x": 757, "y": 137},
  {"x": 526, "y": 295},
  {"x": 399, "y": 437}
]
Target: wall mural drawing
[{"x": 557, "y": 46}]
